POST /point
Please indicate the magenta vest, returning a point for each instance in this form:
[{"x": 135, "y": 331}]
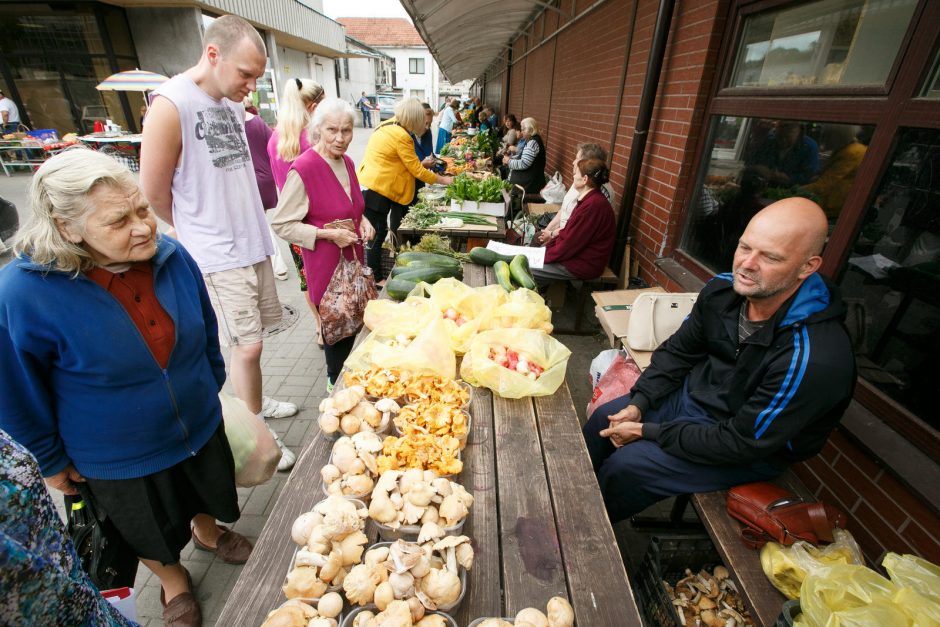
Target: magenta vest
[{"x": 328, "y": 202}]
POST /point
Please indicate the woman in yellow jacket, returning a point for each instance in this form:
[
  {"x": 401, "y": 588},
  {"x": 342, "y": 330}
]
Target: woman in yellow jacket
[{"x": 388, "y": 172}]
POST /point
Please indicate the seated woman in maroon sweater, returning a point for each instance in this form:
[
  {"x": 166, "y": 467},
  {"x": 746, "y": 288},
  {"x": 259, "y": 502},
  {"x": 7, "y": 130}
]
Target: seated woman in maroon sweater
[{"x": 582, "y": 249}]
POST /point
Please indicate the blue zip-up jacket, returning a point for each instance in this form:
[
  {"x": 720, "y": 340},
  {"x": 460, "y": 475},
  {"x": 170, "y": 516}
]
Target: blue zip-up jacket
[
  {"x": 776, "y": 396},
  {"x": 81, "y": 386}
]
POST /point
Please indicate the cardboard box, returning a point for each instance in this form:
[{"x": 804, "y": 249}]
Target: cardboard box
[{"x": 613, "y": 311}]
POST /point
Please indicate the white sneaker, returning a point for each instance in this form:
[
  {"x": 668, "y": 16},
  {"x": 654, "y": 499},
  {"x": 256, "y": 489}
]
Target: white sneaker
[
  {"x": 271, "y": 408},
  {"x": 287, "y": 456}
]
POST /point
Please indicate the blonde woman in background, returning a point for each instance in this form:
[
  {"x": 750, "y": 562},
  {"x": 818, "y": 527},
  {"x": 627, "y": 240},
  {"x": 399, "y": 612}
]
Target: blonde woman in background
[{"x": 290, "y": 140}]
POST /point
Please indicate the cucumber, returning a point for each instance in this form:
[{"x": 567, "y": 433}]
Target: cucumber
[
  {"x": 416, "y": 257},
  {"x": 428, "y": 275},
  {"x": 519, "y": 269},
  {"x": 501, "y": 269},
  {"x": 398, "y": 289},
  {"x": 487, "y": 257}
]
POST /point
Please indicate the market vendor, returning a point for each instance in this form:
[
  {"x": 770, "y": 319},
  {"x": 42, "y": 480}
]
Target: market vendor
[
  {"x": 388, "y": 172},
  {"x": 528, "y": 167},
  {"x": 754, "y": 380},
  {"x": 560, "y": 219},
  {"x": 582, "y": 249}
]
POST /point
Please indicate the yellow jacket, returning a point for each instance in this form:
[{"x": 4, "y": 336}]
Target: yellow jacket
[{"x": 390, "y": 165}]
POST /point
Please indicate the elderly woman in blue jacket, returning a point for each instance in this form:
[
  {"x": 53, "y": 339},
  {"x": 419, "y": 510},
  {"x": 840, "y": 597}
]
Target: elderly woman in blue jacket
[{"x": 110, "y": 362}]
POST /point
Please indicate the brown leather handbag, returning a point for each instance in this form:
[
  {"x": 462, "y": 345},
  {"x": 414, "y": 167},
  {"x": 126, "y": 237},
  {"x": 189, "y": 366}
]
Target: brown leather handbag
[{"x": 772, "y": 513}]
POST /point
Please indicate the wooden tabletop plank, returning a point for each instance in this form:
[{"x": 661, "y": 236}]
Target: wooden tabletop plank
[
  {"x": 531, "y": 558},
  {"x": 598, "y": 587},
  {"x": 483, "y": 596},
  {"x": 258, "y": 589}
]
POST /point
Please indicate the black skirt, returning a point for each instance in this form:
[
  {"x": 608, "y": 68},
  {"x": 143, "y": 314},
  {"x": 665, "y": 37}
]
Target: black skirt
[{"x": 153, "y": 513}]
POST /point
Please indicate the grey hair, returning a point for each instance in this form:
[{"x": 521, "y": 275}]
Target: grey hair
[
  {"x": 59, "y": 192},
  {"x": 328, "y": 107},
  {"x": 592, "y": 151},
  {"x": 531, "y": 124}
]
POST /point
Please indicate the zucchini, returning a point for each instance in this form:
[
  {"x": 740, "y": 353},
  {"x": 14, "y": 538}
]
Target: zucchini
[
  {"x": 519, "y": 269},
  {"x": 416, "y": 257},
  {"x": 501, "y": 269},
  {"x": 428, "y": 275},
  {"x": 424, "y": 265},
  {"x": 487, "y": 257},
  {"x": 398, "y": 289}
]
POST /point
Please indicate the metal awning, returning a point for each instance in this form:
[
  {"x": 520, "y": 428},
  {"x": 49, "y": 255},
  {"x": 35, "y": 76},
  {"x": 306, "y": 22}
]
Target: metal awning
[{"x": 466, "y": 37}]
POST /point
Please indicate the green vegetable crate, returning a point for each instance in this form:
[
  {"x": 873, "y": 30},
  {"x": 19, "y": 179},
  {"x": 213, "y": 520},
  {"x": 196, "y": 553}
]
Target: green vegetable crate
[{"x": 495, "y": 209}]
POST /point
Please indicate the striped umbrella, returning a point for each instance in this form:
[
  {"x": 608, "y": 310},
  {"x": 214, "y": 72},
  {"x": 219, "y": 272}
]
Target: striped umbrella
[{"x": 132, "y": 80}]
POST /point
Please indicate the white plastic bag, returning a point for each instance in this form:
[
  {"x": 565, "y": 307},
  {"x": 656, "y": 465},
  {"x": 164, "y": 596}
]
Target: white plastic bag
[
  {"x": 253, "y": 447},
  {"x": 554, "y": 190}
]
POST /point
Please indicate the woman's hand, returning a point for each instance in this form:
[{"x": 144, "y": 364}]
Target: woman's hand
[
  {"x": 443, "y": 180},
  {"x": 429, "y": 162},
  {"x": 506, "y": 160},
  {"x": 366, "y": 230},
  {"x": 623, "y": 433},
  {"x": 545, "y": 236},
  {"x": 64, "y": 480},
  {"x": 340, "y": 237}
]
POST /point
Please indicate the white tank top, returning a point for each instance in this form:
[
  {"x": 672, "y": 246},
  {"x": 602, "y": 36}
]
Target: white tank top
[{"x": 217, "y": 208}]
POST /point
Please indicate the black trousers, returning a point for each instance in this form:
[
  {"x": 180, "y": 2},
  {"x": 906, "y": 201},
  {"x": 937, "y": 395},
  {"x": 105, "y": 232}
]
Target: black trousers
[
  {"x": 381, "y": 213},
  {"x": 336, "y": 355}
]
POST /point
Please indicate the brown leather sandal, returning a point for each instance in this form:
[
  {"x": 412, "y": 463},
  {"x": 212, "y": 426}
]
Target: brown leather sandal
[
  {"x": 183, "y": 609},
  {"x": 231, "y": 547}
]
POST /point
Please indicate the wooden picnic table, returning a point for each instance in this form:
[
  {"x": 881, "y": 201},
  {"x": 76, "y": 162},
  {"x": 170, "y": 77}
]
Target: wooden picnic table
[{"x": 538, "y": 523}]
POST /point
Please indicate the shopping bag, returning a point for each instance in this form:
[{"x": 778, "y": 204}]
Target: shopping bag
[
  {"x": 386, "y": 317},
  {"x": 253, "y": 447},
  {"x": 849, "y": 595},
  {"x": 616, "y": 381},
  {"x": 554, "y": 190},
  {"x": 788, "y": 566},
  {"x": 654, "y": 316},
  {"x": 344, "y": 302},
  {"x": 429, "y": 352},
  {"x": 537, "y": 347},
  {"x": 522, "y": 308},
  {"x": 124, "y": 601}
]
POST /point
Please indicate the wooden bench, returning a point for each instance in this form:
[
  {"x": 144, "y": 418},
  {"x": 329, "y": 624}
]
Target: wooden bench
[{"x": 538, "y": 523}]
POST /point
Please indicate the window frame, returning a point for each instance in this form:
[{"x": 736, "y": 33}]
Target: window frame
[
  {"x": 414, "y": 61},
  {"x": 890, "y": 108}
]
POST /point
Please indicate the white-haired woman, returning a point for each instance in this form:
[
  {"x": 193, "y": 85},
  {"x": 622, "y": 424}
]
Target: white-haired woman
[
  {"x": 290, "y": 139},
  {"x": 322, "y": 188},
  {"x": 388, "y": 172},
  {"x": 528, "y": 167},
  {"x": 109, "y": 354}
]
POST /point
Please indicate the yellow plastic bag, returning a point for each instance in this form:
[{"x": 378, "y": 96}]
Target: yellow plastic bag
[
  {"x": 467, "y": 307},
  {"x": 523, "y": 309},
  {"x": 786, "y": 567},
  {"x": 386, "y": 317},
  {"x": 847, "y": 595},
  {"x": 428, "y": 353},
  {"x": 537, "y": 346},
  {"x": 919, "y": 587}
]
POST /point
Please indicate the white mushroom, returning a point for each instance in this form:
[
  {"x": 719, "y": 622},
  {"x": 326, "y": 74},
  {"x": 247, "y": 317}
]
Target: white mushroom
[
  {"x": 306, "y": 557},
  {"x": 403, "y": 584},
  {"x": 303, "y": 525},
  {"x": 430, "y": 531},
  {"x": 360, "y": 584},
  {"x": 329, "y": 423},
  {"x": 330, "y": 605},
  {"x": 452, "y": 510},
  {"x": 344, "y": 400},
  {"x": 560, "y": 613},
  {"x": 442, "y": 587},
  {"x": 384, "y": 594},
  {"x": 531, "y": 616}
]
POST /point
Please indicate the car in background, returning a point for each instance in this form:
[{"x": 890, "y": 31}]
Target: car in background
[{"x": 386, "y": 104}]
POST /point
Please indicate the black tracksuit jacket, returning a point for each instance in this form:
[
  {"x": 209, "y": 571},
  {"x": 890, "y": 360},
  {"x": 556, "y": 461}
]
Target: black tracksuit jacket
[{"x": 776, "y": 396}]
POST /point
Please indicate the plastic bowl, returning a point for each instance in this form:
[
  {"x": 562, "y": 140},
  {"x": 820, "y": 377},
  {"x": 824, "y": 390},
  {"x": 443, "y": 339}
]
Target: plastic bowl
[
  {"x": 475, "y": 623},
  {"x": 351, "y": 616},
  {"x": 462, "y": 573},
  {"x": 409, "y": 533}
]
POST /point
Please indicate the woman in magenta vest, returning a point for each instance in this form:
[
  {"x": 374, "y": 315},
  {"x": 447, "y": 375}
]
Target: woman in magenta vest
[{"x": 321, "y": 188}]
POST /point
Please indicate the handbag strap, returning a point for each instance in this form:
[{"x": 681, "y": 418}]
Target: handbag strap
[
  {"x": 652, "y": 320},
  {"x": 819, "y": 518}
]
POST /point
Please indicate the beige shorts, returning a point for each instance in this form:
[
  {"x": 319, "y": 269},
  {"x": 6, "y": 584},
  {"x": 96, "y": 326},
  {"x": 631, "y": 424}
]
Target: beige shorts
[{"x": 245, "y": 302}]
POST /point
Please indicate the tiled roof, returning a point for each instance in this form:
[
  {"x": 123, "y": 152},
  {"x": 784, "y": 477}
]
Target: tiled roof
[{"x": 382, "y": 31}]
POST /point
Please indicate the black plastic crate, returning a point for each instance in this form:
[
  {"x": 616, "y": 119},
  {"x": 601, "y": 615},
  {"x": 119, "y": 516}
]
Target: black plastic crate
[{"x": 666, "y": 558}]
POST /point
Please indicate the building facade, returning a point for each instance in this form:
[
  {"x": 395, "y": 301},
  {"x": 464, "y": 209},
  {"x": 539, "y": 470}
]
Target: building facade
[
  {"x": 838, "y": 100},
  {"x": 415, "y": 73},
  {"x": 53, "y": 54},
  {"x": 366, "y": 69}
]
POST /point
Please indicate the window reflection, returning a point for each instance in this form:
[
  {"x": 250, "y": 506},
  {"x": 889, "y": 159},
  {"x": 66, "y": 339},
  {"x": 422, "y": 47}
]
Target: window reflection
[
  {"x": 828, "y": 42},
  {"x": 757, "y": 161},
  {"x": 892, "y": 281}
]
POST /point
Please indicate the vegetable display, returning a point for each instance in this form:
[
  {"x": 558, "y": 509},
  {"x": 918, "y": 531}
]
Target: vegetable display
[
  {"x": 466, "y": 187},
  {"x": 510, "y": 270},
  {"x": 518, "y": 362},
  {"x": 425, "y": 215}
]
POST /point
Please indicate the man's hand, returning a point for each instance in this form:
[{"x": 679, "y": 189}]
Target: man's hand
[
  {"x": 160, "y": 149},
  {"x": 623, "y": 433},
  {"x": 630, "y": 413},
  {"x": 64, "y": 480}
]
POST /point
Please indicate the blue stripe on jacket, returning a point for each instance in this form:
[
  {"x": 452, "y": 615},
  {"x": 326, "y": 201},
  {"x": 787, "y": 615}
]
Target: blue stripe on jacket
[{"x": 801, "y": 352}]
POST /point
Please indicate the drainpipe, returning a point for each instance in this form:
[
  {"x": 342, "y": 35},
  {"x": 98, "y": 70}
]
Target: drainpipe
[
  {"x": 641, "y": 130},
  {"x": 623, "y": 82}
]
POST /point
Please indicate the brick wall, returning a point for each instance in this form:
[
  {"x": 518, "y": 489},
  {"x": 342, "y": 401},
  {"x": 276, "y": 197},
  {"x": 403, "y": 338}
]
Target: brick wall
[
  {"x": 883, "y": 514},
  {"x": 569, "y": 84}
]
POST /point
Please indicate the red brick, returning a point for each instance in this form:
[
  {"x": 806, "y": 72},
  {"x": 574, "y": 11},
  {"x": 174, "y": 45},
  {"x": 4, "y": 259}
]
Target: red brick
[
  {"x": 911, "y": 504},
  {"x": 885, "y": 534},
  {"x": 924, "y": 543},
  {"x": 847, "y": 496},
  {"x": 871, "y": 547}
]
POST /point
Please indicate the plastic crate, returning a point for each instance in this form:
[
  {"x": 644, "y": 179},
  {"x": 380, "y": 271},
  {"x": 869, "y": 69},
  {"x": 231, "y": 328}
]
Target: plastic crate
[
  {"x": 666, "y": 559},
  {"x": 44, "y": 134}
]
